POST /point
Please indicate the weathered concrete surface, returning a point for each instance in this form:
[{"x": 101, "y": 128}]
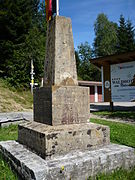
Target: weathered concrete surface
[
  {"x": 16, "y": 115},
  {"x": 61, "y": 105},
  {"x": 49, "y": 141},
  {"x": 60, "y": 64},
  {"x": 76, "y": 165},
  {"x": 15, "y": 118}
]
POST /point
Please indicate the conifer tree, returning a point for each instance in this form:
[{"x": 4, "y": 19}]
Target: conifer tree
[
  {"x": 106, "y": 36},
  {"x": 122, "y": 36},
  {"x": 126, "y": 41},
  {"x": 130, "y": 35},
  {"x": 22, "y": 38}
]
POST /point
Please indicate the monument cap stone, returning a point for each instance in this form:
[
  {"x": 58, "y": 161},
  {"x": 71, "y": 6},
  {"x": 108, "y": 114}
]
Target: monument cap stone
[{"x": 60, "y": 64}]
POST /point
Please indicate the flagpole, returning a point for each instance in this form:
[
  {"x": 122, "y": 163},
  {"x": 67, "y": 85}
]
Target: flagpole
[{"x": 57, "y": 6}]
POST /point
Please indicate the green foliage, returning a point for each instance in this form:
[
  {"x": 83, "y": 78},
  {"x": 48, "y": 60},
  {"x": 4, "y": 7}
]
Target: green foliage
[
  {"x": 126, "y": 36},
  {"x": 22, "y": 39},
  {"x": 106, "y": 36},
  {"x": 120, "y": 133},
  {"x": 111, "y": 38},
  {"x": 78, "y": 61},
  {"x": 86, "y": 70},
  {"x": 16, "y": 19}
]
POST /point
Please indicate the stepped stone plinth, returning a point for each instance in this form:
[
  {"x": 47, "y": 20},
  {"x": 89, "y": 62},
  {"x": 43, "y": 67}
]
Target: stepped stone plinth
[
  {"x": 51, "y": 141},
  {"x": 61, "y": 107}
]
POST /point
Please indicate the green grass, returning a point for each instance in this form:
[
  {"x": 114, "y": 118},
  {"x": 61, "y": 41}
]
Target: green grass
[
  {"x": 120, "y": 133},
  {"x": 8, "y": 133},
  {"x": 5, "y": 172},
  {"x": 117, "y": 175},
  {"x": 117, "y": 114}
]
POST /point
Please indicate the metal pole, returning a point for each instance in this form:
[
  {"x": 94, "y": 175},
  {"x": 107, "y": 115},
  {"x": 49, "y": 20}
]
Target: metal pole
[
  {"x": 32, "y": 76},
  {"x": 57, "y": 6}
]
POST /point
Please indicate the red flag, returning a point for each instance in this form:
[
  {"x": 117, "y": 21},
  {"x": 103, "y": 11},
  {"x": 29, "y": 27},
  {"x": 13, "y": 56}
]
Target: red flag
[
  {"x": 48, "y": 6},
  {"x": 50, "y": 9}
]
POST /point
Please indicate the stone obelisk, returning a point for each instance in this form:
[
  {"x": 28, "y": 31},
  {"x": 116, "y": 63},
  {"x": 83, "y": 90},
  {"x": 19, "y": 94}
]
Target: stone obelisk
[
  {"x": 61, "y": 107},
  {"x": 61, "y": 100}
]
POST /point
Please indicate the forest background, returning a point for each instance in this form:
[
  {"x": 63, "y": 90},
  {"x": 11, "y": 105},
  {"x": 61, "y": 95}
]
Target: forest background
[{"x": 23, "y": 38}]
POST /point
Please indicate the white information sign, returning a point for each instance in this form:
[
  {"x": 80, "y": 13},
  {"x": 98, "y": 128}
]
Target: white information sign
[{"x": 123, "y": 82}]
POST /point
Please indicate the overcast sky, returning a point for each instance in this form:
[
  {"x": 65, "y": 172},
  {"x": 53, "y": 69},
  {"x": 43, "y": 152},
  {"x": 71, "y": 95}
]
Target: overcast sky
[{"x": 83, "y": 14}]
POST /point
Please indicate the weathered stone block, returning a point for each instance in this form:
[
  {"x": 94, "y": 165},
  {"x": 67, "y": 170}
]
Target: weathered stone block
[
  {"x": 60, "y": 64},
  {"x": 77, "y": 165},
  {"x": 49, "y": 141},
  {"x": 61, "y": 105}
]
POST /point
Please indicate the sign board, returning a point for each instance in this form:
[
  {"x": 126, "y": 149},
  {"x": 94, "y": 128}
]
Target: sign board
[{"x": 123, "y": 82}]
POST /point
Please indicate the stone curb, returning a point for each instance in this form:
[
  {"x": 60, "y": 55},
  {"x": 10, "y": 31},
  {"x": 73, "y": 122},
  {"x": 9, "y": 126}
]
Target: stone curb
[{"x": 75, "y": 165}]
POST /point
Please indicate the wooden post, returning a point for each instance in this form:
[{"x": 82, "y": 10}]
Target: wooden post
[{"x": 111, "y": 106}]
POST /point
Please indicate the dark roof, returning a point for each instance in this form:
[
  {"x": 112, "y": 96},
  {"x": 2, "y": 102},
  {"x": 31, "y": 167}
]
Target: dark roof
[
  {"x": 89, "y": 83},
  {"x": 114, "y": 59}
]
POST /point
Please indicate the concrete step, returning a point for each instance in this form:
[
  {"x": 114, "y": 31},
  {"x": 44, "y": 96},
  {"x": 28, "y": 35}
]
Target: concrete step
[
  {"x": 75, "y": 165},
  {"x": 49, "y": 141}
]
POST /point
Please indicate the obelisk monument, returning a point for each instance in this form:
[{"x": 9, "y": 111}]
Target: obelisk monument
[
  {"x": 61, "y": 143},
  {"x": 61, "y": 107}
]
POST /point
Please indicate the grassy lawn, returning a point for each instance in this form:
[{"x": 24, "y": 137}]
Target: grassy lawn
[
  {"x": 117, "y": 114},
  {"x": 117, "y": 175},
  {"x": 120, "y": 133},
  {"x": 7, "y": 133},
  {"x": 5, "y": 171}
]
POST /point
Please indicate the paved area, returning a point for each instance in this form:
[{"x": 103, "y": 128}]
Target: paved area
[
  {"x": 122, "y": 106},
  {"x": 15, "y": 117}
]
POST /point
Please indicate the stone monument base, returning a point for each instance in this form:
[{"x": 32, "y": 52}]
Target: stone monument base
[
  {"x": 75, "y": 165},
  {"x": 49, "y": 141}
]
